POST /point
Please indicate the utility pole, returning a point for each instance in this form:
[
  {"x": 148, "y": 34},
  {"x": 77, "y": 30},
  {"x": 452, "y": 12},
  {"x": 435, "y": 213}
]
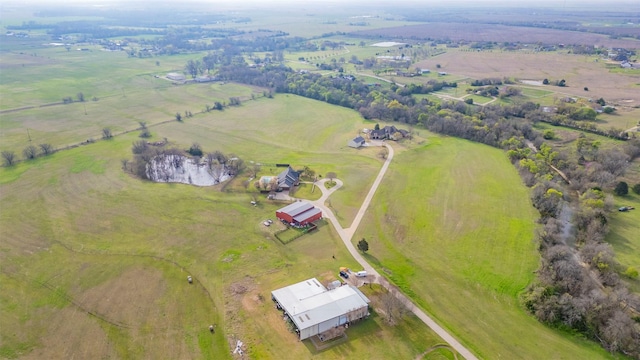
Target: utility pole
[{"x": 29, "y": 135}]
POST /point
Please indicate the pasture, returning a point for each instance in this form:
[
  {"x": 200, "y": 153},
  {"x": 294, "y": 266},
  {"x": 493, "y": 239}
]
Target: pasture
[
  {"x": 94, "y": 232},
  {"x": 95, "y": 261},
  {"x": 579, "y": 71},
  {"x": 443, "y": 226}
]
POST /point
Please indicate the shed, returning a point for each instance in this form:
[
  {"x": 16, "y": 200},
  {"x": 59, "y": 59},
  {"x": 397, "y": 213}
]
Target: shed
[
  {"x": 357, "y": 142},
  {"x": 176, "y": 77}
]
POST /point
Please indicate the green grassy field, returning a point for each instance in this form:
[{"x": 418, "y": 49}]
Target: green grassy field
[
  {"x": 443, "y": 226},
  {"x": 94, "y": 261},
  {"x": 94, "y": 232}
]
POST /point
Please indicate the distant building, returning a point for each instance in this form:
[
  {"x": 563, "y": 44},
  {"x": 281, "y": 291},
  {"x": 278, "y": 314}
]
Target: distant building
[
  {"x": 176, "y": 77},
  {"x": 299, "y": 213},
  {"x": 315, "y": 310},
  {"x": 356, "y": 142},
  {"x": 388, "y": 132}
]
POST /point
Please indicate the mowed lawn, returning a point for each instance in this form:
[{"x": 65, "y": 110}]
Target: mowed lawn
[
  {"x": 95, "y": 262},
  {"x": 453, "y": 227}
]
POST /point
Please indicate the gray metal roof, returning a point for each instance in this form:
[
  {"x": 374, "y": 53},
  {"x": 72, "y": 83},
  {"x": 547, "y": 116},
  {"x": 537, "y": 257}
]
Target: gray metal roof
[
  {"x": 308, "y": 303},
  {"x": 296, "y": 208},
  {"x": 307, "y": 214}
]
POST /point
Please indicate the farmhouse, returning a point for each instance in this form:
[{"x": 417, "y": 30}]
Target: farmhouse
[
  {"x": 288, "y": 179},
  {"x": 356, "y": 142},
  {"x": 314, "y": 310},
  {"x": 388, "y": 132},
  {"x": 299, "y": 213}
]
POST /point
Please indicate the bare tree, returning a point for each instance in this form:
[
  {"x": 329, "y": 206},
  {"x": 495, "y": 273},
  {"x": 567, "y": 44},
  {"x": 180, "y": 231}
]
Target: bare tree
[
  {"x": 124, "y": 163},
  {"x": 139, "y": 147},
  {"x": 143, "y": 125},
  {"x": 106, "y": 133},
  {"x": 30, "y": 152},
  {"x": 9, "y": 157},
  {"x": 211, "y": 160},
  {"x": 80, "y": 97},
  {"x": 331, "y": 176},
  {"x": 393, "y": 306},
  {"x": 255, "y": 169},
  {"x": 46, "y": 149}
]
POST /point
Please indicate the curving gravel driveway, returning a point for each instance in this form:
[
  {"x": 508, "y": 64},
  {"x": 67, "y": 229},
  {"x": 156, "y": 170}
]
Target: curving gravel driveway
[{"x": 347, "y": 233}]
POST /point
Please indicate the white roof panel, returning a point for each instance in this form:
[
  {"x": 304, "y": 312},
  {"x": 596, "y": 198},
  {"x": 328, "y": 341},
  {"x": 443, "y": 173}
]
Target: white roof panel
[{"x": 309, "y": 303}]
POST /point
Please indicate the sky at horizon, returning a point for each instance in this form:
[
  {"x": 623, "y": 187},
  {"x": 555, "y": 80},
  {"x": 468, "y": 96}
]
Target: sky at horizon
[{"x": 634, "y": 5}]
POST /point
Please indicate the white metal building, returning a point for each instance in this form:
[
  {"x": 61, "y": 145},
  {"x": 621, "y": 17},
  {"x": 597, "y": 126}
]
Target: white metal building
[{"x": 314, "y": 309}]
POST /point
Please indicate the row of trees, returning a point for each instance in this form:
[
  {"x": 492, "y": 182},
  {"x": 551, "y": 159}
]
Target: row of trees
[{"x": 29, "y": 153}]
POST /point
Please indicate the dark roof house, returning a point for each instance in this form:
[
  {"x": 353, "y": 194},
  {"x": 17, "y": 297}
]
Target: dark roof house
[
  {"x": 387, "y": 132},
  {"x": 288, "y": 178}
]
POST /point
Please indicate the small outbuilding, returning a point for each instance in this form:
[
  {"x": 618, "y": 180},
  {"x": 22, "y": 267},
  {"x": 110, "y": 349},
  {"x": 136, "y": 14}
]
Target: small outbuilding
[
  {"x": 176, "y": 77},
  {"x": 357, "y": 142},
  {"x": 315, "y": 310}
]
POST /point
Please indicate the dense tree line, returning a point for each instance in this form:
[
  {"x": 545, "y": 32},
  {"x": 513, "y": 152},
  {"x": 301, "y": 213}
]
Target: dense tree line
[{"x": 395, "y": 104}]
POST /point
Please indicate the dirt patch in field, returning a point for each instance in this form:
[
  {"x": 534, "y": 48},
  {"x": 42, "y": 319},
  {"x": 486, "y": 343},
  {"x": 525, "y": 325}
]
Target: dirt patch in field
[
  {"x": 71, "y": 333},
  {"x": 578, "y": 71},
  {"x": 127, "y": 299}
]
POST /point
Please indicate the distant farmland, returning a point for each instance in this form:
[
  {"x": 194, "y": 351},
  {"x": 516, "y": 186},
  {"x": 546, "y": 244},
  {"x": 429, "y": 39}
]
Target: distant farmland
[{"x": 496, "y": 33}]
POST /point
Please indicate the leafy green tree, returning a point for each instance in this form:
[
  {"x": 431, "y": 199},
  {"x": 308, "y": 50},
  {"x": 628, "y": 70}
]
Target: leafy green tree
[
  {"x": 636, "y": 188},
  {"x": 178, "y": 116},
  {"x": 548, "y": 134},
  {"x": 545, "y": 81},
  {"x": 621, "y": 189},
  {"x": 363, "y": 245},
  {"x": 469, "y": 101},
  {"x": 631, "y": 272}
]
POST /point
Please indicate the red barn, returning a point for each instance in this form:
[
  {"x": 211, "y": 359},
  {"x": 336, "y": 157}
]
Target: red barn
[{"x": 299, "y": 213}]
